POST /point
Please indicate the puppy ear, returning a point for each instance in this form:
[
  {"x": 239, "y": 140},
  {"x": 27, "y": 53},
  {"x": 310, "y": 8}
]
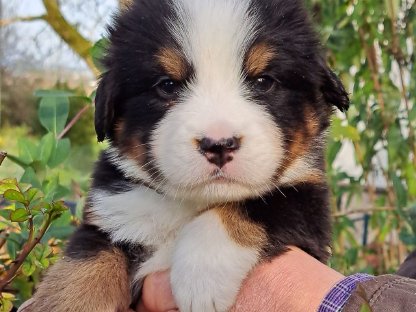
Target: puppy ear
[
  {"x": 104, "y": 108},
  {"x": 333, "y": 90}
]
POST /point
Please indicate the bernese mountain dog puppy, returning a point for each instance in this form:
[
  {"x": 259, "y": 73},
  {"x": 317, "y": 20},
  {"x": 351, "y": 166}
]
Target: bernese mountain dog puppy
[{"x": 216, "y": 113}]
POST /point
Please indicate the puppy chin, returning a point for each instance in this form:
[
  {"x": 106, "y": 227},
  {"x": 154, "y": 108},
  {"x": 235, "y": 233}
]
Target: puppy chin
[{"x": 216, "y": 192}]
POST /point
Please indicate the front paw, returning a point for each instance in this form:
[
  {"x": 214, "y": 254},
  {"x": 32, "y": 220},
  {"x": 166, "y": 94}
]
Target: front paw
[{"x": 209, "y": 266}]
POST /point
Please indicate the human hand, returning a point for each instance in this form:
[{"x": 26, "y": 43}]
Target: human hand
[
  {"x": 294, "y": 282},
  {"x": 157, "y": 294}
]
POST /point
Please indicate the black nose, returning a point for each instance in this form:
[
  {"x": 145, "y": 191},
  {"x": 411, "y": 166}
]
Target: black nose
[{"x": 219, "y": 152}]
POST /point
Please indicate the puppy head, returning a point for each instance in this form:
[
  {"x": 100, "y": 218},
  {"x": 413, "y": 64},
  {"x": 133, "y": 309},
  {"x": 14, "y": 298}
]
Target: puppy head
[{"x": 216, "y": 100}]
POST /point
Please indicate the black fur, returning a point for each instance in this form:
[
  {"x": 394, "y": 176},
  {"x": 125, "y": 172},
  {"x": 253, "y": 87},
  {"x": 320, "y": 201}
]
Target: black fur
[{"x": 292, "y": 216}]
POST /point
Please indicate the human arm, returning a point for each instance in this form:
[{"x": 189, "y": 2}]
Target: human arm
[
  {"x": 297, "y": 282},
  {"x": 272, "y": 286}
]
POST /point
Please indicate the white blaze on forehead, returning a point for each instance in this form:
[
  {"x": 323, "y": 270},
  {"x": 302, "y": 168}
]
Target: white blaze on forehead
[{"x": 214, "y": 36}]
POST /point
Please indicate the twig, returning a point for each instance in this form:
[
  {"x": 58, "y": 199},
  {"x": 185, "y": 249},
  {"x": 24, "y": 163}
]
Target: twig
[
  {"x": 3, "y": 156},
  {"x": 73, "y": 121},
  {"x": 363, "y": 210},
  {"x": 68, "y": 32},
  {"x": 3, "y": 240},
  {"x": 27, "y": 248},
  {"x": 5, "y": 22}
]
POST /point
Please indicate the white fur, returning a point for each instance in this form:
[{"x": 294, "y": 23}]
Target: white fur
[
  {"x": 139, "y": 216},
  {"x": 303, "y": 167},
  {"x": 299, "y": 171},
  {"x": 215, "y": 35},
  {"x": 208, "y": 266},
  {"x": 128, "y": 167}
]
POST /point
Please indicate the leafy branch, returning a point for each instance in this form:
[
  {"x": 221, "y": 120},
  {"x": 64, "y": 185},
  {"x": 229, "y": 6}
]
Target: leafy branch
[{"x": 26, "y": 205}]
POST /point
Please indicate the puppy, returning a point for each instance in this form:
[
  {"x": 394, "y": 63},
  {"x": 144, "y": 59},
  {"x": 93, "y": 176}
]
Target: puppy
[{"x": 216, "y": 114}]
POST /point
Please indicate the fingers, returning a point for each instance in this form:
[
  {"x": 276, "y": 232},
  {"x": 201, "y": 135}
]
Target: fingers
[
  {"x": 157, "y": 294},
  {"x": 25, "y": 306}
]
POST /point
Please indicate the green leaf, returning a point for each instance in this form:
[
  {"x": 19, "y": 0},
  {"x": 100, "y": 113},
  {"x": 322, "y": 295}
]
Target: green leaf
[
  {"x": 44, "y": 262},
  {"x": 17, "y": 161},
  {"x": 340, "y": 131},
  {"x": 28, "y": 151},
  {"x": 39, "y": 264},
  {"x": 29, "y": 176},
  {"x": 12, "y": 248},
  {"x": 42, "y": 206},
  {"x": 53, "y": 113},
  {"x": 47, "y": 145},
  {"x": 53, "y": 93},
  {"x": 28, "y": 268},
  {"x": 19, "y": 215},
  {"x": 47, "y": 251},
  {"x": 8, "y": 184},
  {"x": 14, "y": 196},
  {"x": 400, "y": 191},
  {"x": 97, "y": 52},
  {"x": 60, "y": 153},
  {"x": 333, "y": 150},
  {"x": 33, "y": 194},
  {"x": 6, "y": 305}
]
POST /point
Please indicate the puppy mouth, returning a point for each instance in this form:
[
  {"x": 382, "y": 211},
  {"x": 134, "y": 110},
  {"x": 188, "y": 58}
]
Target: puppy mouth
[{"x": 219, "y": 177}]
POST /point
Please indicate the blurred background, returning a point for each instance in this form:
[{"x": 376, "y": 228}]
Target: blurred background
[{"x": 49, "y": 51}]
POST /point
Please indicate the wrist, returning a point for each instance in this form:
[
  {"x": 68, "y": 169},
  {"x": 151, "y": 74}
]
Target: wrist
[{"x": 294, "y": 282}]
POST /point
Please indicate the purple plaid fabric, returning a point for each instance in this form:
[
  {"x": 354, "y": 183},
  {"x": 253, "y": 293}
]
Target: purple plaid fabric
[{"x": 341, "y": 292}]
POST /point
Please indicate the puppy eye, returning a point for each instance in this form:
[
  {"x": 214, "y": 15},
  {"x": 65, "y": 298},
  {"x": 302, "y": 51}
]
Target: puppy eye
[
  {"x": 263, "y": 84},
  {"x": 168, "y": 89}
]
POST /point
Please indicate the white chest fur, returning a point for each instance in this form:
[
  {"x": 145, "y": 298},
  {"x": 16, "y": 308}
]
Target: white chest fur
[{"x": 140, "y": 216}]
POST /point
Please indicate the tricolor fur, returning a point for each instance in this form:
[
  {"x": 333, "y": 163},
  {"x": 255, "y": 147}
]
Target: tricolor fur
[{"x": 216, "y": 114}]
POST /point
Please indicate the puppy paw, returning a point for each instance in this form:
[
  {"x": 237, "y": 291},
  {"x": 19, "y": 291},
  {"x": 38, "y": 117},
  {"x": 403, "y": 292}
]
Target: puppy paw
[{"x": 209, "y": 266}]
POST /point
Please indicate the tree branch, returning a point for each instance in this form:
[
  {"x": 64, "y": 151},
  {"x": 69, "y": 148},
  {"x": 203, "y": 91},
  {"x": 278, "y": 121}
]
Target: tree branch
[
  {"x": 27, "y": 248},
  {"x": 3, "y": 156},
  {"x": 68, "y": 33},
  {"x": 363, "y": 211},
  {"x": 74, "y": 121},
  {"x": 5, "y": 22}
]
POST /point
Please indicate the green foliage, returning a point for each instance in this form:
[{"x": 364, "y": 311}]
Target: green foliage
[
  {"x": 24, "y": 221},
  {"x": 82, "y": 133},
  {"x": 371, "y": 44},
  {"x": 35, "y": 220}
]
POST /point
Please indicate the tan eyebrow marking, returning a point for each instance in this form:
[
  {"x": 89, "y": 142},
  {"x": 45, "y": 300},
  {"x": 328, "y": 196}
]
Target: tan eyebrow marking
[
  {"x": 173, "y": 63},
  {"x": 258, "y": 58}
]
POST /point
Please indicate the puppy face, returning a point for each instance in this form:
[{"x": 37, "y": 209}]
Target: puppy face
[{"x": 216, "y": 100}]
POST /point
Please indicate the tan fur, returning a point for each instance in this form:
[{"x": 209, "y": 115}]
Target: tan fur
[
  {"x": 135, "y": 150},
  {"x": 296, "y": 164},
  {"x": 130, "y": 146},
  {"x": 311, "y": 120},
  {"x": 173, "y": 63},
  {"x": 118, "y": 130},
  {"x": 258, "y": 59},
  {"x": 241, "y": 230},
  {"x": 100, "y": 284},
  {"x": 308, "y": 175}
]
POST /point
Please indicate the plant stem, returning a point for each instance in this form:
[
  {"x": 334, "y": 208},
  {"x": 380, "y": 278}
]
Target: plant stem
[
  {"x": 3, "y": 156},
  {"x": 27, "y": 248},
  {"x": 73, "y": 121}
]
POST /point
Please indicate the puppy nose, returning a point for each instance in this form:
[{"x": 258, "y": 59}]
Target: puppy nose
[{"x": 219, "y": 152}]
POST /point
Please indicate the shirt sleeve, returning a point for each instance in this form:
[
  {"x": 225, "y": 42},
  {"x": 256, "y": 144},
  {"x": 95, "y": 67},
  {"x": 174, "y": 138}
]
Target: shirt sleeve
[
  {"x": 385, "y": 293},
  {"x": 338, "y": 296}
]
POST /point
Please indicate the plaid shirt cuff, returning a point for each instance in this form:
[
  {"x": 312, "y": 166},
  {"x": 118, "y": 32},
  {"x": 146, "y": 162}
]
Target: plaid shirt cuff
[{"x": 336, "y": 299}]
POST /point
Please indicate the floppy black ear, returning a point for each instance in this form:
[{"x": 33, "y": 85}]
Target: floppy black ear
[
  {"x": 333, "y": 90},
  {"x": 104, "y": 108}
]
